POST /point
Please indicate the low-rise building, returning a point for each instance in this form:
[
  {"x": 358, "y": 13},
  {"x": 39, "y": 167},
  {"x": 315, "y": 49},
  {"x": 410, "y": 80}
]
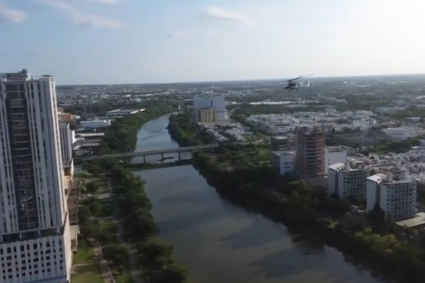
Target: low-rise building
[
  {"x": 66, "y": 138},
  {"x": 95, "y": 124},
  {"x": 403, "y": 133},
  {"x": 282, "y": 143},
  {"x": 206, "y": 115},
  {"x": 283, "y": 162},
  {"x": 118, "y": 113}
]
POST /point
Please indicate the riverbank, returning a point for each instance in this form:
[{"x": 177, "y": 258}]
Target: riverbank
[
  {"x": 132, "y": 206},
  {"x": 302, "y": 208},
  {"x": 184, "y": 132},
  {"x": 218, "y": 241},
  {"x": 296, "y": 205}
]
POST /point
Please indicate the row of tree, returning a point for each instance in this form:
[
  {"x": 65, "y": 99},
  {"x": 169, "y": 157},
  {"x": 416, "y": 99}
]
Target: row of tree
[
  {"x": 133, "y": 204},
  {"x": 90, "y": 109},
  {"x": 395, "y": 146},
  {"x": 134, "y": 207},
  {"x": 184, "y": 132},
  {"x": 295, "y": 203}
]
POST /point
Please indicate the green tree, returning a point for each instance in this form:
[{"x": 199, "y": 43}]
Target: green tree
[
  {"x": 83, "y": 214},
  {"x": 94, "y": 205},
  {"x": 92, "y": 187},
  {"x": 104, "y": 237},
  {"x": 141, "y": 224},
  {"x": 152, "y": 248},
  {"x": 117, "y": 254},
  {"x": 90, "y": 228},
  {"x": 173, "y": 273}
]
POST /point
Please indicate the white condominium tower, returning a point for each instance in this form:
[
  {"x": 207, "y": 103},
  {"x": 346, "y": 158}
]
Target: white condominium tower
[
  {"x": 396, "y": 198},
  {"x": 35, "y": 244}
]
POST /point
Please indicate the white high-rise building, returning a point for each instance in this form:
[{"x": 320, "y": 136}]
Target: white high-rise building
[
  {"x": 35, "y": 244},
  {"x": 66, "y": 143},
  {"x": 346, "y": 182},
  {"x": 334, "y": 155},
  {"x": 217, "y": 104},
  {"x": 396, "y": 198}
]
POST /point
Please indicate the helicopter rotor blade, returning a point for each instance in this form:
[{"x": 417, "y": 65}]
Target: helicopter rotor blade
[{"x": 294, "y": 79}]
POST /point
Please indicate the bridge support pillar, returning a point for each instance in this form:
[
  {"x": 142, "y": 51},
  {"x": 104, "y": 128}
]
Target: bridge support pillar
[
  {"x": 162, "y": 157},
  {"x": 144, "y": 158},
  {"x": 180, "y": 155}
]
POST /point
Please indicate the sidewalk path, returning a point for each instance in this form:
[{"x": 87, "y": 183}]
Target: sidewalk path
[{"x": 104, "y": 268}]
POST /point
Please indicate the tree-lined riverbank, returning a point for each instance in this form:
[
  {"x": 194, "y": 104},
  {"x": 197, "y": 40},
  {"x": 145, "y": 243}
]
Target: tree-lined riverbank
[
  {"x": 133, "y": 205},
  {"x": 258, "y": 188}
]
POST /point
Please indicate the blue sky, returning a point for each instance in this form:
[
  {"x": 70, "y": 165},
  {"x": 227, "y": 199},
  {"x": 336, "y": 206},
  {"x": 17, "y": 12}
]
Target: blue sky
[{"x": 146, "y": 41}]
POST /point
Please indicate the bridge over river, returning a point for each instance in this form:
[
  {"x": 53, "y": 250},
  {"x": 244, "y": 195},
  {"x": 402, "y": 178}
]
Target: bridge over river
[{"x": 161, "y": 152}]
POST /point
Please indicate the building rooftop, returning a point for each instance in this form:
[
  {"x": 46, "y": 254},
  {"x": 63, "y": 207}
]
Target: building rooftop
[
  {"x": 404, "y": 129},
  {"x": 87, "y": 135},
  {"x": 379, "y": 177},
  {"x": 282, "y": 138},
  {"x": 283, "y": 152},
  {"x": 334, "y": 149},
  {"x": 94, "y": 121},
  {"x": 416, "y": 221},
  {"x": 343, "y": 167},
  {"x": 124, "y": 111},
  {"x": 386, "y": 179},
  {"x": 337, "y": 166}
]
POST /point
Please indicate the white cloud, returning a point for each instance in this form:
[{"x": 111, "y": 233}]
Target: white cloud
[
  {"x": 221, "y": 14},
  {"x": 82, "y": 19},
  {"x": 175, "y": 35},
  {"x": 104, "y": 1},
  {"x": 11, "y": 16}
]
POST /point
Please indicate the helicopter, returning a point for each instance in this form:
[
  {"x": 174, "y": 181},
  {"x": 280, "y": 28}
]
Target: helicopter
[{"x": 292, "y": 83}]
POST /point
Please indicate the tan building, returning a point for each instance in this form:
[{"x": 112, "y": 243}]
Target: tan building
[
  {"x": 206, "y": 115},
  {"x": 65, "y": 117},
  {"x": 310, "y": 154}
]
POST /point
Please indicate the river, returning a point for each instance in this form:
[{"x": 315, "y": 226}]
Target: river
[{"x": 221, "y": 243}]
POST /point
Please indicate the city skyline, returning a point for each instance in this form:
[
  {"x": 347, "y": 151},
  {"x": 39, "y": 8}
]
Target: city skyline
[{"x": 94, "y": 41}]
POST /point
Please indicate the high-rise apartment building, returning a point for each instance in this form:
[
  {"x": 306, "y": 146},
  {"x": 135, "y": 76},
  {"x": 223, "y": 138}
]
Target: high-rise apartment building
[
  {"x": 396, "y": 198},
  {"x": 346, "y": 182},
  {"x": 35, "y": 243},
  {"x": 310, "y": 154}
]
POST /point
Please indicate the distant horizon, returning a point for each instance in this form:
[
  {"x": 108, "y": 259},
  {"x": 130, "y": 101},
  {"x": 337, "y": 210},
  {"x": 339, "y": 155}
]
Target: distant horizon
[{"x": 247, "y": 80}]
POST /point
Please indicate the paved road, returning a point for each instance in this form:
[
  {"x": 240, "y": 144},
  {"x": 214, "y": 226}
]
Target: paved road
[{"x": 132, "y": 262}]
